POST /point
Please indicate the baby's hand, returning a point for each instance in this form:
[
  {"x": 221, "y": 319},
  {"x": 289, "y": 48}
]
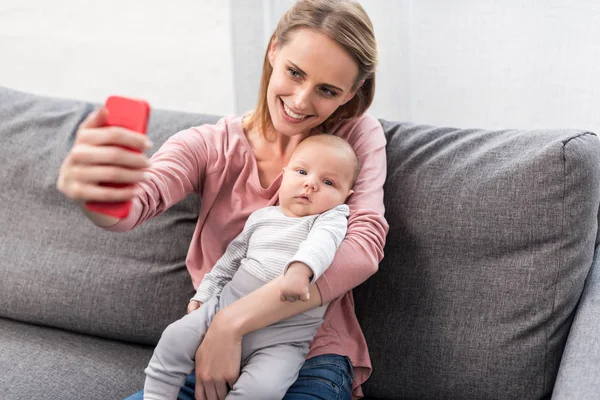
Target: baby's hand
[
  {"x": 295, "y": 283},
  {"x": 194, "y": 305}
]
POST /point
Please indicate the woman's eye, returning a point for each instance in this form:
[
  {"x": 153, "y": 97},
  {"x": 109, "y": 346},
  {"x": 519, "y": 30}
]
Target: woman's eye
[
  {"x": 328, "y": 182},
  {"x": 293, "y": 73},
  {"x": 328, "y": 92},
  {"x": 302, "y": 172}
]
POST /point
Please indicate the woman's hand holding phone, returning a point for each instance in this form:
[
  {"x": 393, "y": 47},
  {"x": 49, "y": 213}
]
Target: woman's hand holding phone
[{"x": 104, "y": 154}]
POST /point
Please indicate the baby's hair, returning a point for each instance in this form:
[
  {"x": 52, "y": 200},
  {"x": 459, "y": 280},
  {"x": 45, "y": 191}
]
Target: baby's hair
[{"x": 337, "y": 142}]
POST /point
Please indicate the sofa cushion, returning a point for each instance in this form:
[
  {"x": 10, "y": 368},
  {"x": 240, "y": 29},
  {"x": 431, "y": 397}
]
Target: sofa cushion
[
  {"x": 40, "y": 363},
  {"x": 59, "y": 269},
  {"x": 491, "y": 238}
]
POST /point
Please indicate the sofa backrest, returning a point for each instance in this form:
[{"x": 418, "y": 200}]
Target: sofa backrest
[
  {"x": 60, "y": 270},
  {"x": 491, "y": 238}
]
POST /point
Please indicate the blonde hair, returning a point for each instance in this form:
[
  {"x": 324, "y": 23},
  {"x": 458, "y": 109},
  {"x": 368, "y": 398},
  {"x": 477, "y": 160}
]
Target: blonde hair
[{"x": 345, "y": 22}]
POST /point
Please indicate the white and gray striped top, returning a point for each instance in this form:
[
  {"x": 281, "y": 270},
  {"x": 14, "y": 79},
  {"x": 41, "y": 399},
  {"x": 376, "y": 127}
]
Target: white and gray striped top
[{"x": 271, "y": 241}]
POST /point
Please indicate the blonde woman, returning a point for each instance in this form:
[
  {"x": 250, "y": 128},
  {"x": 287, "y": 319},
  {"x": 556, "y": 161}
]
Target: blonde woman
[{"x": 318, "y": 75}]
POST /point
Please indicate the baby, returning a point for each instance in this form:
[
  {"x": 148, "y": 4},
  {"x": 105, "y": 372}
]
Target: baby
[{"x": 297, "y": 239}]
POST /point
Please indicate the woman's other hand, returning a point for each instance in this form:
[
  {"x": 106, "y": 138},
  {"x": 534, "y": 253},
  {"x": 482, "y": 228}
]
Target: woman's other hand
[{"x": 218, "y": 360}]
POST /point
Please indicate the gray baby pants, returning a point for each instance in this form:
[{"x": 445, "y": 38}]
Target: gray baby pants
[{"x": 271, "y": 357}]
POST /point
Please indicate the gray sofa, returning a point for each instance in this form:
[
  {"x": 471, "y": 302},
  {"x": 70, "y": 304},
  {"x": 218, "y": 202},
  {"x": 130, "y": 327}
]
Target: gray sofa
[{"x": 489, "y": 288}]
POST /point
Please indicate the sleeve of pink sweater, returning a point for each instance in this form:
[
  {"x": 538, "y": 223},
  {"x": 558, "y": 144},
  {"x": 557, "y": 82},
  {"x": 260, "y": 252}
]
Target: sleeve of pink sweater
[
  {"x": 178, "y": 169},
  {"x": 361, "y": 251}
]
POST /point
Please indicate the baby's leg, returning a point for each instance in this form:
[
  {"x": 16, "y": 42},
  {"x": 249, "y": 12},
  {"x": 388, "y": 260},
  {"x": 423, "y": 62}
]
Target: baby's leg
[
  {"x": 269, "y": 372},
  {"x": 174, "y": 355}
]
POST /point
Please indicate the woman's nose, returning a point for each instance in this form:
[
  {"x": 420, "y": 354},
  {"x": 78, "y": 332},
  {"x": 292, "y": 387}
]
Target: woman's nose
[{"x": 302, "y": 99}]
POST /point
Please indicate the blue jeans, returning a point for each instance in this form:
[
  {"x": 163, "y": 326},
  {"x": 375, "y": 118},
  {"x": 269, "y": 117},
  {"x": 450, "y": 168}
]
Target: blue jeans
[{"x": 325, "y": 377}]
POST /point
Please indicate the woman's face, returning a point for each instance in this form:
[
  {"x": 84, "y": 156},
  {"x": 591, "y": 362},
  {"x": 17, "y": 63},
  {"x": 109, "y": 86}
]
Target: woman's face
[{"x": 312, "y": 76}]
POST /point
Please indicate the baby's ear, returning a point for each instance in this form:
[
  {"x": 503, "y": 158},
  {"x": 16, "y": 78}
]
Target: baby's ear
[{"x": 350, "y": 192}]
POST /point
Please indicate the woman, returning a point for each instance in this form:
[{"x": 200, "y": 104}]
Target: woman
[{"x": 318, "y": 76}]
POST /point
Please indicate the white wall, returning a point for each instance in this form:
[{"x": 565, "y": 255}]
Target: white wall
[
  {"x": 487, "y": 63},
  {"x": 175, "y": 54},
  {"x": 466, "y": 63}
]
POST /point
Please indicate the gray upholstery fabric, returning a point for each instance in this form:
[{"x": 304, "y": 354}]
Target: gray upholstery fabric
[
  {"x": 579, "y": 373},
  {"x": 491, "y": 238},
  {"x": 58, "y": 269},
  {"x": 38, "y": 363}
]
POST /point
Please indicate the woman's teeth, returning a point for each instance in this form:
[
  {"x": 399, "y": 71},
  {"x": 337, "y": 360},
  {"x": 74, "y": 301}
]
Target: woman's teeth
[{"x": 292, "y": 114}]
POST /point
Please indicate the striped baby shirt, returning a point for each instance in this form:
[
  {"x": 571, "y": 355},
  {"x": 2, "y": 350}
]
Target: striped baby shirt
[{"x": 271, "y": 241}]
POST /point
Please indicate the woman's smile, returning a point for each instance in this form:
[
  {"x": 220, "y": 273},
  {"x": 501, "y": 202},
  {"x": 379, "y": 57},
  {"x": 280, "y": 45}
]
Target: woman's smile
[{"x": 290, "y": 115}]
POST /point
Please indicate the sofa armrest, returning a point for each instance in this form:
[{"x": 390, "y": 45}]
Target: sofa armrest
[{"x": 579, "y": 375}]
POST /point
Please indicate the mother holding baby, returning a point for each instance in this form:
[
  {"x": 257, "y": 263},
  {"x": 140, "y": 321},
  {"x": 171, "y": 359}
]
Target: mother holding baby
[{"x": 318, "y": 76}]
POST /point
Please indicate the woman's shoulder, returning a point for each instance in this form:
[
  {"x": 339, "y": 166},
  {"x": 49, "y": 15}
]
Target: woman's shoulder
[
  {"x": 222, "y": 130},
  {"x": 360, "y": 131},
  {"x": 225, "y": 135},
  {"x": 210, "y": 144}
]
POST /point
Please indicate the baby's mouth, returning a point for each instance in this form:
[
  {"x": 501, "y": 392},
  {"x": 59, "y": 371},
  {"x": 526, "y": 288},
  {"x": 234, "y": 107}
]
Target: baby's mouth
[{"x": 303, "y": 197}]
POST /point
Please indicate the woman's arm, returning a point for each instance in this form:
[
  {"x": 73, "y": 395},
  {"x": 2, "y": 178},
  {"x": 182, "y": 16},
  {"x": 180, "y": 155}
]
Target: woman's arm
[
  {"x": 361, "y": 251},
  {"x": 263, "y": 307},
  {"x": 177, "y": 169},
  {"x": 218, "y": 358}
]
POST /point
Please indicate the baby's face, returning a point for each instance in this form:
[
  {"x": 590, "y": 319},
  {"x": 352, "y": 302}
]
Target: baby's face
[{"x": 317, "y": 178}]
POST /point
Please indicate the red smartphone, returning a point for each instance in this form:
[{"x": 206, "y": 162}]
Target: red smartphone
[{"x": 131, "y": 114}]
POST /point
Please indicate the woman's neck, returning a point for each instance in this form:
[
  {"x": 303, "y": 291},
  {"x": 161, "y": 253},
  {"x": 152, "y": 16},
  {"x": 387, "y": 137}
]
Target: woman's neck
[
  {"x": 272, "y": 144},
  {"x": 272, "y": 154}
]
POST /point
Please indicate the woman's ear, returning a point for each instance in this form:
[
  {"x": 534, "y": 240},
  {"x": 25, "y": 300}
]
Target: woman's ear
[{"x": 272, "y": 50}]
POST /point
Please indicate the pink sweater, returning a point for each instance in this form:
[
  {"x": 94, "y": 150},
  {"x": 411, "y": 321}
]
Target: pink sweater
[{"x": 217, "y": 163}]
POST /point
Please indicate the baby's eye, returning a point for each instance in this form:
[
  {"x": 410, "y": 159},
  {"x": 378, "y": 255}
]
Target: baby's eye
[
  {"x": 302, "y": 172},
  {"x": 328, "y": 182}
]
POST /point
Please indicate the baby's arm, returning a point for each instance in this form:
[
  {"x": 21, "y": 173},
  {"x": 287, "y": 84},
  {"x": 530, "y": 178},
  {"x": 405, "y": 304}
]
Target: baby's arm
[
  {"x": 315, "y": 254},
  {"x": 213, "y": 282},
  {"x": 295, "y": 284}
]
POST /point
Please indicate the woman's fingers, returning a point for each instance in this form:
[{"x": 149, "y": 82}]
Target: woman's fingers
[
  {"x": 218, "y": 360},
  {"x": 95, "y": 119},
  {"x": 107, "y": 155},
  {"x": 199, "y": 393},
  {"x": 107, "y": 173},
  {"x": 90, "y": 192},
  {"x": 87, "y": 166},
  {"x": 221, "y": 389},
  {"x": 211, "y": 391},
  {"x": 103, "y": 155},
  {"x": 87, "y": 189},
  {"x": 113, "y": 136},
  {"x": 92, "y": 131}
]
